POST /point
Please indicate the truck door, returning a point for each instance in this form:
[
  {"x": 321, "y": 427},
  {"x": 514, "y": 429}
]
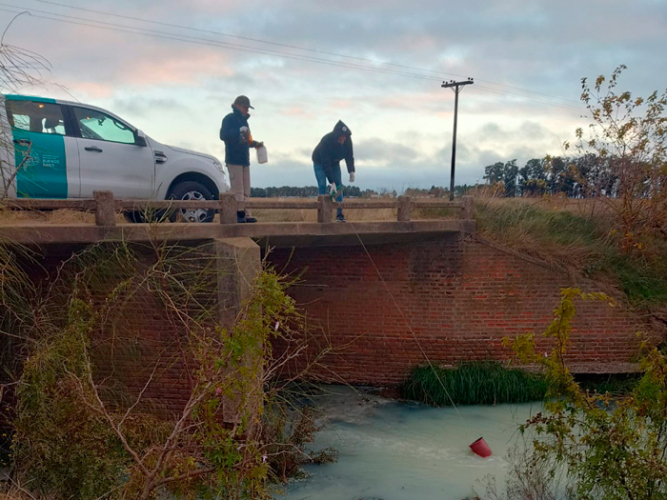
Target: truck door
[
  {"x": 111, "y": 157},
  {"x": 46, "y": 157}
]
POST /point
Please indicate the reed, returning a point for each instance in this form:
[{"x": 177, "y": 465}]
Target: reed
[{"x": 473, "y": 383}]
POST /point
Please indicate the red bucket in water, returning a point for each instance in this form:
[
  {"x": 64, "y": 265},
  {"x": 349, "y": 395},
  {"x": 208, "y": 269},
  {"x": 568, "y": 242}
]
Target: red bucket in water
[{"x": 480, "y": 448}]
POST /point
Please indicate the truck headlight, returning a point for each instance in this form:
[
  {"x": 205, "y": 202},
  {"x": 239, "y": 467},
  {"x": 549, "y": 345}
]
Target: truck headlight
[{"x": 218, "y": 165}]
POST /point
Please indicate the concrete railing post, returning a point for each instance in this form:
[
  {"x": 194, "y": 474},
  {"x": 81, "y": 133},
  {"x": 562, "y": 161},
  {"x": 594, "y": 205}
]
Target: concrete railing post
[
  {"x": 467, "y": 208},
  {"x": 227, "y": 208},
  {"x": 404, "y": 208},
  {"x": 324, "y": 209},
  {"x": 239, "y": 263},
  {"x": 105, "y": 211}
]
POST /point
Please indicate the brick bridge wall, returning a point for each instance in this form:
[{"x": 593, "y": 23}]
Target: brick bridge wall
[
  {"x": 142, "y": 345},
  {"x": 454, "y": 300}
]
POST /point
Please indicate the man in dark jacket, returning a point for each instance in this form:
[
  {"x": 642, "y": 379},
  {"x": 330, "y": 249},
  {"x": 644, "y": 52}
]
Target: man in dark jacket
[
  {"x": 327, "y": 155},
  {"x": 238, "y": 141}
]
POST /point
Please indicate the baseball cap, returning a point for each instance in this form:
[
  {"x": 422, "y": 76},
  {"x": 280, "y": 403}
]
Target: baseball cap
[{"x": 242, "y": 101}]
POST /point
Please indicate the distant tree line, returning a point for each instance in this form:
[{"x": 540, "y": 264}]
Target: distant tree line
[
  {"x": 576, "y": 177},
  {"x": 307, "y": 192},
  {"x": 356, "y": 192}
]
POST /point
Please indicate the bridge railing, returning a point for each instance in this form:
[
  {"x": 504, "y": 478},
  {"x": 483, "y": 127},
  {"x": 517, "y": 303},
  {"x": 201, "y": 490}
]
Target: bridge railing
[{"x": 106, "y": 207}]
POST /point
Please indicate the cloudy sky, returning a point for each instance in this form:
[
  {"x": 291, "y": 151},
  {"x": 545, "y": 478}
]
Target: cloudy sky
[{"x": 172, "y": 68}]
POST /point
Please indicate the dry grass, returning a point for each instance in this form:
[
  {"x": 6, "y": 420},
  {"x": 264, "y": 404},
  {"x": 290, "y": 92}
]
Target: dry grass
[
  {"x": 582, "y": 208},
  {"x": 581, "y": 235},
  {"x": 16, "y": 494},
  {"x": 18, "y": 217},
  {"x": 555, "y": 230}
]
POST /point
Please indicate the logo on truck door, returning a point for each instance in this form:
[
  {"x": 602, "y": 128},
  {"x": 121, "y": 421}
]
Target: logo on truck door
[{"x": 38, "y": 132}]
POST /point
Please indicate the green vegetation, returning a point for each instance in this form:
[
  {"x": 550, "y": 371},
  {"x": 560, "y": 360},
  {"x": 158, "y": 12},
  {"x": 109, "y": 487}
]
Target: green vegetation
[
  {"x": 585, "y": 241},
  {"x": 602, "y": 446},
  {"x": 79, "y": 433},
  {"x": 473, "y": 383}
]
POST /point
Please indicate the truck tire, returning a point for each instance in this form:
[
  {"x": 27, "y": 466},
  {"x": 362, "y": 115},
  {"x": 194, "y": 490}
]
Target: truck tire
[{"x": 191, "y": 190}]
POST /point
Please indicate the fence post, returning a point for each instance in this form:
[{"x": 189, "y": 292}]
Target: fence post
[
  {"x": 324, "y": 209},
  {"x": 227, "y": 208},
  {"x": 467, "y": 207},
  {"x": 105, "y": 211},
  {"x": 403, "y": 208}
]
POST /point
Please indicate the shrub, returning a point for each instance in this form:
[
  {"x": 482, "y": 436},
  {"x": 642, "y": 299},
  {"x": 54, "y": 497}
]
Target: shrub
[{"x": 607, "y": 447}]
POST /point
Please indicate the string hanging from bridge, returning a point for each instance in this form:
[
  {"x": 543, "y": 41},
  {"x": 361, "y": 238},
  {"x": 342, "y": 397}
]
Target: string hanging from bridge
[{"x": 405, "y": 320}]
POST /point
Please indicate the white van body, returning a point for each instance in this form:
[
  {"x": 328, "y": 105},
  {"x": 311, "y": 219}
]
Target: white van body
[{"x": 65, "y": 149}]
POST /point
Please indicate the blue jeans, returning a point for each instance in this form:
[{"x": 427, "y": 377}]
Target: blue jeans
[{"x": 333, "y": 177}]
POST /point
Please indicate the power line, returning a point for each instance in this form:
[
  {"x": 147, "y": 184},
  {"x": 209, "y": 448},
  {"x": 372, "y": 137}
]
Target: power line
[
  {"x": 204, "y": 41},
  {"x": 220, "y": 44},
  {"x": 535, "y": 99},
  {"x": 257, "y": 40},
  {"x": 295, "y": 47}
]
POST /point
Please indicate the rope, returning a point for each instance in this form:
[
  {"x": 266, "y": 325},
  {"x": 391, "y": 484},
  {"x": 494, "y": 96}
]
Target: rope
[{"x": 405, "y": 320}]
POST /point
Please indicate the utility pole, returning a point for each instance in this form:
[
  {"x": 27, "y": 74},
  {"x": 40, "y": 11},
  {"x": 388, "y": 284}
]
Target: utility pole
[{"x": 456, "y": 87}]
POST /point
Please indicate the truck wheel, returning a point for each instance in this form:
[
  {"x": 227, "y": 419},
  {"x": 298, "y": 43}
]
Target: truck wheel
[
  {"x": 144, "y": 216},
  {"x": 191, "y": 191},
  {"x": 134, "y": 216}
]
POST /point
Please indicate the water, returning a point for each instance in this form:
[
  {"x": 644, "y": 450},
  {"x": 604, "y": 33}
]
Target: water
[{"x": 398, "y": 451}]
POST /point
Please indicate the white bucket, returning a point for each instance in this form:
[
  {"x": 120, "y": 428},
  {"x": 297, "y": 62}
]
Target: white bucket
[{"x": 262, "y": 155}]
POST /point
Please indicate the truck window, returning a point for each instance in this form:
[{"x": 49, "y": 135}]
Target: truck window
[
  {"x": 40, "y": 117},
  {"x": 102, "y": 127}
]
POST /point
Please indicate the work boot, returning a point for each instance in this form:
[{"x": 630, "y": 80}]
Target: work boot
[
  {"x": 340, "y": 217},
  {"x": 240, "y": 217},
  {"x": 250, "y": 219}
]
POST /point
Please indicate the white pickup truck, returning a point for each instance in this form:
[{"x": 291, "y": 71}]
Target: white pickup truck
[{"x": 68, "y": 150}]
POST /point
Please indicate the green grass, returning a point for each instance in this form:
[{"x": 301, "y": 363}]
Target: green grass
[
  {"x": 587, "y": 243},
  {"x": 471, "y": 384},
  {"x": 509, "y": 218}
]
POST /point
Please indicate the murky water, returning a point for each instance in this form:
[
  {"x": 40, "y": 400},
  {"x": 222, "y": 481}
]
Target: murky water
[{"x": 397, "y": 451}]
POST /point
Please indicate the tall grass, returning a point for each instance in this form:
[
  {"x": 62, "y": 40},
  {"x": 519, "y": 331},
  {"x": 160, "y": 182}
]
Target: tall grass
[
  {"x": 585, "y": 241},
  {"x": 471, "y": 384}
]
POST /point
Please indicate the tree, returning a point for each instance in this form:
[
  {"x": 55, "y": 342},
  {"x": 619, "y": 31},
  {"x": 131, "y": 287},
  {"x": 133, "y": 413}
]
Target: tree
[
  {"x": 505, "y": 173},
  {"x": 629, "y": 137}
]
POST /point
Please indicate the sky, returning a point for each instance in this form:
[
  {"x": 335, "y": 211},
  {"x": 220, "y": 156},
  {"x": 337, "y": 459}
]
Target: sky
[{"x": 173, "y": 67}]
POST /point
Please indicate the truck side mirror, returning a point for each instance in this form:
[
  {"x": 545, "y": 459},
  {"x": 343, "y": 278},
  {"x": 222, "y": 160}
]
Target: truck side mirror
[{"x": 140, "y": 139}]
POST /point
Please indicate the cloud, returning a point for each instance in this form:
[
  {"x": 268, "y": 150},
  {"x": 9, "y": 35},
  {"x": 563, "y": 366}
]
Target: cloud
[
  {"x": 142, "y": 106},
  {"x": 376, "y": 64},
  {"x": 381, "y": 153}
]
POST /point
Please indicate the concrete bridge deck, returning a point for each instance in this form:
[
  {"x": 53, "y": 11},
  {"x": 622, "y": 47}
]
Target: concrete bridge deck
[{"x": 279, "y": 234}]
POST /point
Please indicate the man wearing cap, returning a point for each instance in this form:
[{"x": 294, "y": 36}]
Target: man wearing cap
[
  {"x": 333, "y": 147},
  {"x": 238, "y": 141}
]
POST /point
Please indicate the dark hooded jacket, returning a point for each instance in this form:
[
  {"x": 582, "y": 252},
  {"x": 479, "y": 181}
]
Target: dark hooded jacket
[
  {"x": 330, "y": 152},
  {"x": 237, "y": 150}
]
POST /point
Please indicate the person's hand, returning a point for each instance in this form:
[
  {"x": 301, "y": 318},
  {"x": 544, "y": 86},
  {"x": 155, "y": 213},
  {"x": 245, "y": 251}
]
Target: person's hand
[
  {"x": 258, "y": 144},
  {"x": 351, "y": 176}
]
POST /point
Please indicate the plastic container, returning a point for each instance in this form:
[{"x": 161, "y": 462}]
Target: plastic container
[
  {"x": 262, "y": 155},
  {"x": 480, "y": 448}
]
